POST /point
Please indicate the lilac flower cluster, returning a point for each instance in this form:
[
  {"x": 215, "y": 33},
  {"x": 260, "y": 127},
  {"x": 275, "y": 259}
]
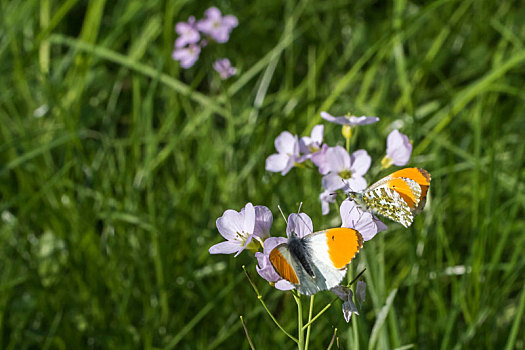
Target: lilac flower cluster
[
  {"x": 340, "y": 168},
  {"x": 213, "y": 27}
]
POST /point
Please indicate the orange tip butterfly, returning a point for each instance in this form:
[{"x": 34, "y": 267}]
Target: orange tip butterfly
[
  {"x": 318, "y": 260},
  {"x": 399, "y": 196}
]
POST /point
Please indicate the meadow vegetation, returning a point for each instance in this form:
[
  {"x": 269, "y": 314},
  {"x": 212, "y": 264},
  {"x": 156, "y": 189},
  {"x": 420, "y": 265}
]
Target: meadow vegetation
[{"x": 115, "y": 164}]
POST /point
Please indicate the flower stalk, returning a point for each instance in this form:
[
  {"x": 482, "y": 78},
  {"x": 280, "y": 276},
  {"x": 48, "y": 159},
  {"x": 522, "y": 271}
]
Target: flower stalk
[
  {"x": 247, "y": 334},
  {"x": 300, "y": 329},
  {"x": 310, "y": 311},
  {"x": 259, "y": 296}
]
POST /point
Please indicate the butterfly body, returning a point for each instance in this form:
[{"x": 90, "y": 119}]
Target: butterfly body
[
  {"x": 318, "y": 260},
  {"x": 399, "y": 196},
  {"x": 299, "y": 250}
]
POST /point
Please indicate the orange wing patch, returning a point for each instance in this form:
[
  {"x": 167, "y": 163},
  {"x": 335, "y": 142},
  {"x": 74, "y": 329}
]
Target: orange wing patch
[
  {"x": 343, "y": 244},
  {"x": 404, "y": 190},
  {"x": 421, "y": 176},
  {"x": 282, "y": 267}
]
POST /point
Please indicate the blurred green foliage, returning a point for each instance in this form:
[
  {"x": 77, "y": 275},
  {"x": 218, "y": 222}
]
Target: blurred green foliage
[{"x": 115, "y": 164}]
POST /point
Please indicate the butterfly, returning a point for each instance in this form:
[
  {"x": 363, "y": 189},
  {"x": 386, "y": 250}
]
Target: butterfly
[
  {"x": 318, "y": 260},
  {"x": 399, "y": 196}
]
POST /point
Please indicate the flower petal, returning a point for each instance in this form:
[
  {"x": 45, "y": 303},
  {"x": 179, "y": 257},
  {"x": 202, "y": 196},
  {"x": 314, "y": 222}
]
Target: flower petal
[
  {"x": 249, "y": 218},
  {"x": 332, "y": 182},
  {"x": 398, "y": 148},
  {"x": 205, "y": 25},
  {"x": 213, "y": 13},
  {"x": 304, "y": 142},
  {"x": 289, "y": 166},
  {"x": 317, "y": 134},
  {"x": 277, "y": 162},
  {"x": 364, "y": 222},
  {"x": 229, "y": 224},
  {"x": 265, "y": 269},
  {"x": 228, "y": 247},
  {"x": 263, "y": 221},
  {"x": 230, "y": 21},
  {"x": 361, "y": 162},
  {"x": 220, "y": 34},
  {"x": 338, "y": 120},
  {"x": 350, "y": 214},
  {"x": 326, "y": 197},
  {"x": 354, "y": 121},
  {"x": 380, "y": 224},
  {"x": 395, "y": 139},
  {"x": 337, "y": 159},
  {"x": 285, "y": 143},
  {"x": 301, "y": 224},
  {"x": 319, "y": 159},
  {"x": 273, "y": 242},
  {"x": 284, "y": 285},
  {"x": 349, "y": 120},
  {"x": 356, "y": 183}
]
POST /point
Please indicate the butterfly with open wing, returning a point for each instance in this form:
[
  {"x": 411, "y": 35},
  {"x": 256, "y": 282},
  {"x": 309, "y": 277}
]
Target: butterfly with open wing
[{"x": 316, "y": 261}]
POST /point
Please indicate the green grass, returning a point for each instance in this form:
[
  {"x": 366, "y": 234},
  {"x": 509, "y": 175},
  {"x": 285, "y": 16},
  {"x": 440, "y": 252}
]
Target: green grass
[{"x": 115, "y": 164}]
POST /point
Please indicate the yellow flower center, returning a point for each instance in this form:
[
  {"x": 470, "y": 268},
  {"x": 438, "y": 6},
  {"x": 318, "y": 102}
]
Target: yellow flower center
[
  {"x": 313, "y": 148},
  {"x": 253, "y": 246},
  {"x": 386, "y": 162},
  {"x": 345, "y": 174}
]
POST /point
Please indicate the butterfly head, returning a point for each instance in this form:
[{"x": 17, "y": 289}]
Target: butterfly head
[
  {"x": 352, "y": 195},
  {"x": 357, "y": 198}
]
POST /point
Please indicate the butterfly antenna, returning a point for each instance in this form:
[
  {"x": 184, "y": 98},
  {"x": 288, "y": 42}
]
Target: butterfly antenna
[
  {"x": 311, "y": 228},
  {"x": 347, "y": 185},
  {"x": 278, "y": 206},
  {"x": 299, "y": 210}
]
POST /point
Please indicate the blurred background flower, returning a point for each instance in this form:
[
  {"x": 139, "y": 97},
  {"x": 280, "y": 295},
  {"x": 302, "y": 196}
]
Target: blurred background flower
[
  {"x": 287, "y": 146},
  {"x": 217, "y": 26},
  {"x": 349, "y": 120},
  {"x": 398, "y": 150},
  {"x": 224, "y": 68}
]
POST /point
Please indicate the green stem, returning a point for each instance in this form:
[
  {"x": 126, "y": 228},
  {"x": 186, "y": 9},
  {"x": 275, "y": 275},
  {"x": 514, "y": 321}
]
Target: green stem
[
  {"x": 331, "y": 302},
  {"x": 320, "y": 313},
  {"x": 300, "y": 328},
  {"x": 356, "y": 334},
  {"x": 332, "y": 341},
  {"x": 247, "y": 334},
  {"x": 356, "y": 277},
  {"x": 310, "y": 311},
  {"x": 45, "y": 46},
  {"x": 259, "y": 296}
]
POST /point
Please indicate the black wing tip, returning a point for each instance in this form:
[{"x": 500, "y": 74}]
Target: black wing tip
[{"x": 425, "y": 173}]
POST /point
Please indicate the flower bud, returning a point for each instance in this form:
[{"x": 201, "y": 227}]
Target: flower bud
[{"x": 347, "y": 131}]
